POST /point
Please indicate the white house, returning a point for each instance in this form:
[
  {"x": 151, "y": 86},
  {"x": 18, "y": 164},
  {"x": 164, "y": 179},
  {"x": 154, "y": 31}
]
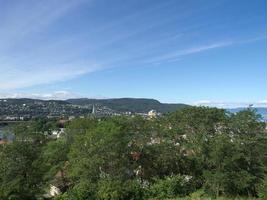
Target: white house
[{"x": 54, "y": 191}]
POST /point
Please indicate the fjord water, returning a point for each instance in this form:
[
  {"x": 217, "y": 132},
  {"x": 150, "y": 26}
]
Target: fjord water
[{"x": 6, "y": 133}]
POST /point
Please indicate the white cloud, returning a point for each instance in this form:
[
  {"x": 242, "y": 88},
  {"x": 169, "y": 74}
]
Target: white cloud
[
  {"x": 184, "y": 52},
  {"x": 262, "y": 103},
  {"x": 177, "y": 55},
  {"x": 13, "y": 78},
  {"x": 225, "y": 104},
  {"x": 34, "y": 50},
  {"x": 57, "y": 95},
  {"x": 22, "y": 19},
  {"x": 24, "y": 63}
]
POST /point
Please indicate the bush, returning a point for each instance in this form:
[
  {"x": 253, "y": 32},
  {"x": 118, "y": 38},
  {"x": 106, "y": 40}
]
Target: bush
[
  {"x": 81, "y": 191},
  {"x": 118, "y": 190},
  {"x": 171, "y": 187},
  {"x": 262, "y": 189}
]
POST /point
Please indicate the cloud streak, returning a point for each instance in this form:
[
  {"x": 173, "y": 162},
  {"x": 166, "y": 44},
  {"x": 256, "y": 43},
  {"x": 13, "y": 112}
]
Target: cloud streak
[
  {"x": 24, "y": 63},
  {"x": 189, "y": 51},
  {"x": 178, "y": 54},
  {"x": 17, "y": 78},
  {"x": 228, "y": 104},
  {"x": 43, "y": 42},
  {"x": 57, "y": 95}
]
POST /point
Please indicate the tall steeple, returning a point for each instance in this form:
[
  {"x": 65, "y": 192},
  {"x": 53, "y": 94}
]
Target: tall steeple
[{"x": 93, "y": 110}]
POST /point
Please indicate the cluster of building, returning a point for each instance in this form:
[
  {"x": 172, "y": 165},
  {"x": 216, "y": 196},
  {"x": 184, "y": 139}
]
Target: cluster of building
[
  {"x": 19, "y": 111},
  {"x": 26, "y": 109}
]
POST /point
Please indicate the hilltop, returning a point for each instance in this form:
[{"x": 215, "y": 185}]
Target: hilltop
[
  {"x": 135, "y": 105},
  {"x": 21, "y": 109}
]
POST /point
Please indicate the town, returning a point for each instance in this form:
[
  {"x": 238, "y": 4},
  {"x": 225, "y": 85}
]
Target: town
[{"x": 27, "y": 109}]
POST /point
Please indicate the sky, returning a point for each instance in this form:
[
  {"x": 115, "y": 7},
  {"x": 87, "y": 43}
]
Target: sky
[{"x": 200, "y": 52}]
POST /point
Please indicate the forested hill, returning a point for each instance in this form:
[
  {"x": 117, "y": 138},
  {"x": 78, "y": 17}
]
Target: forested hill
[
  {"x": 129, "y": 104},
  {"x": 13, "y": 109},
  {"x": 20, "y": 101}
]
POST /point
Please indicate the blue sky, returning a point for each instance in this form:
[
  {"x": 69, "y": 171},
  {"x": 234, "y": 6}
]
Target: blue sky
[{"x": 195, "y": 51}]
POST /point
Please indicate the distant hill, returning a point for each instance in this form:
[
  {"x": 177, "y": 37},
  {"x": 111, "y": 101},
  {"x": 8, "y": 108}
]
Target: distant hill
[
  {"x": 17, "y": 109},
  {"x": 134, "y": 105},
  {"x": 20, "y": 101}
]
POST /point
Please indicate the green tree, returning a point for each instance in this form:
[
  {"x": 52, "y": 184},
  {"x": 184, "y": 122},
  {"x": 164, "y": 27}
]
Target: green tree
[
  {"x": 54, "y": 161},
  {"x": 20, "y": 173}
]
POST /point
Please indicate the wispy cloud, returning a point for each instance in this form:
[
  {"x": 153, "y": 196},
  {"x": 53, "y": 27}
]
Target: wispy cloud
[
  {"x": 188, "y": 51},
  {"x": 21, "y": 19},
  {"x": 57, "y": 95},
  {"x": 228, "y": 104},
  {"x": 178, "y": 54},
  {"x": 17, "y": 78},
  {"x": 24, "y": 63},
  {"x": 43, "y": 42}
]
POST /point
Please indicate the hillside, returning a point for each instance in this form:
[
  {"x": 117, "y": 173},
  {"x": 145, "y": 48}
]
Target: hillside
[
  {"x": 20, "y": 101},
  {"x": 14, "y": 109},
  {"x": 134, "y": 105}
]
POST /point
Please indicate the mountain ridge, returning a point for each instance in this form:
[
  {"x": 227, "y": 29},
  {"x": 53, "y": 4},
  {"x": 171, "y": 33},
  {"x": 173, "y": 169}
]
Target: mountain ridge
[
  {"x": 26, "y": 108},
  {"x": 129, "y": 104}
]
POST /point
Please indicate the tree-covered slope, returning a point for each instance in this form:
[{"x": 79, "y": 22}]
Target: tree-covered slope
[{"x": 129, "y": 104}]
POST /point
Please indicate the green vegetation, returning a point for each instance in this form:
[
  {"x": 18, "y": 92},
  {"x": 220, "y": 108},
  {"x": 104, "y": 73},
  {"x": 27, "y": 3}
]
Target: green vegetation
[{"x": 194, "y": 153}]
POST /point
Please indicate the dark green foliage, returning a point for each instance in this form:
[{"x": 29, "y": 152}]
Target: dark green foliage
[
  {"x": 54, "y": 160},
  {"x": 19, "y": 168},
  {"x": 122, "y": 158},
  {"x": 80, "y": 191},
  {"x": 234, "y": 168},
  {"x": 118, "y": 190},
  {"x": 236, "y": 157},
  {"x": 262, "y": 189},
  {"x": 171, "y": 187}
]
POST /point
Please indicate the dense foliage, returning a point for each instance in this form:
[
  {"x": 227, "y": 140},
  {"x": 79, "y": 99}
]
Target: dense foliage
[{"x": 193, "y": 153}]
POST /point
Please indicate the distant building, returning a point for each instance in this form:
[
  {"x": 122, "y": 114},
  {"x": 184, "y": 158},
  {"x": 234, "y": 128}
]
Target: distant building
[
  {"x": 57, "y": 133},
  {"x": 3, "y": 141},
  {"x": 152, "y": 114},
  {"x": 128, "y": 113},
  {"x": 71, "y": 118},
  {"x": 93, "y": 110},
  {"x": 154, "y": 141},
  {"x": 54, "y": 191},
  {"x": 11, "y": 118},
  {"x": 59, "y": 185},
  {"x": 63, "y": 121}
]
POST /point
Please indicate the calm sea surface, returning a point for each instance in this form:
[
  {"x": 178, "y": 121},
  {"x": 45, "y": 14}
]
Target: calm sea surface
[{"x": 6, "y": 133}]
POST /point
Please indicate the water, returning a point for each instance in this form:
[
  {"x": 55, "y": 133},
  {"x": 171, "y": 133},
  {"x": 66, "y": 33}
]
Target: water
[
  {"x": 264, "y": 117},
  {"x": 261, "y": 111},
  {"x": 5, "y": 133}
]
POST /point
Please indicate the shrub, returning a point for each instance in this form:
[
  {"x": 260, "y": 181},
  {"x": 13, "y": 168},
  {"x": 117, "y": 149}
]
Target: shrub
[
  {"x": 118, "y": 190},
  {"x": 81, "y": 191},
  {"x": 262, "y": 189},
  {"x": 171, "y": 187}
]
